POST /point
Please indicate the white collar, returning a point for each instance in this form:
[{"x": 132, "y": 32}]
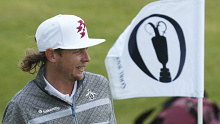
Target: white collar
[{"x": 51, "y": 89}]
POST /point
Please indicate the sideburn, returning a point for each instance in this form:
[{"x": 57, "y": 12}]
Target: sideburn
[{"x": 59, "y": 51}]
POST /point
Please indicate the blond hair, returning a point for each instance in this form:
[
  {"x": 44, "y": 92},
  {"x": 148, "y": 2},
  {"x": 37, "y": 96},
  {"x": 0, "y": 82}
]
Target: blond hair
[{"x": 32, "y": 61}]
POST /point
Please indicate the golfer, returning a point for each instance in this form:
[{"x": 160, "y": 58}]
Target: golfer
[{"x": 62, "y": 92}]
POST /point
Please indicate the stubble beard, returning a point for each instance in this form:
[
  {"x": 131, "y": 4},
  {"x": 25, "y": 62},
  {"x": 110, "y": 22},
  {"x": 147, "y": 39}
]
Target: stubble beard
[{"x": 71, "y": 77}]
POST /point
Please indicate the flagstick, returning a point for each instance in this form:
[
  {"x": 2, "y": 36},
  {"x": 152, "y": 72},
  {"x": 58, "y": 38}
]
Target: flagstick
[{"x": 200, "y": 110}]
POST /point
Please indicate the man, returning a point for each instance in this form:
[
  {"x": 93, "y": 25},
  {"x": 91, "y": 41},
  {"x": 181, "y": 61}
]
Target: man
[{"x": 62, "y": 92}]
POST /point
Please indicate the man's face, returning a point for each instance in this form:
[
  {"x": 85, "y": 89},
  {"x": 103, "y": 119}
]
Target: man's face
[{"x": 72, "y": 63}]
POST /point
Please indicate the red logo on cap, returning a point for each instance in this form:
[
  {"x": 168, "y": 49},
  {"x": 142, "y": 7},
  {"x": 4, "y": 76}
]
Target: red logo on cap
[{"x": 81, "y": 28}]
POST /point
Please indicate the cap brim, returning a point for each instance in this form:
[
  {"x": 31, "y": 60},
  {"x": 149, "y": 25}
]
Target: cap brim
[{"x": 85, "y": 44}]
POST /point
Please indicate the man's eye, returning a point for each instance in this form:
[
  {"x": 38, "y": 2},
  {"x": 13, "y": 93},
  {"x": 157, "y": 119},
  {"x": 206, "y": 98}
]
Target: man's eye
[{"x": 77, "y": 51}]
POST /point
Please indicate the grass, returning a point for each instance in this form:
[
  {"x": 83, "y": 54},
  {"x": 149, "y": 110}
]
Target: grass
[{"x": 105, "y": 19}]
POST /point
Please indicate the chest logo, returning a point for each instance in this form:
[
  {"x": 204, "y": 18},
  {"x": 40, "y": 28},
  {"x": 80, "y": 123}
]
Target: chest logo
[
  {"x": 48, "y": 110},
  {"x": 90, "y": 94}
]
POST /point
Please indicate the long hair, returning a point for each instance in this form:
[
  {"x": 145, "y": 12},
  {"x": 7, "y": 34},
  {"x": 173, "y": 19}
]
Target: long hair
[{"x": 32, "y": 61}]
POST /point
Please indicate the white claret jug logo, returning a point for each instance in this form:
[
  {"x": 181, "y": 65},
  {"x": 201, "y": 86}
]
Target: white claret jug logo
[{"x": 90, "y": 94}]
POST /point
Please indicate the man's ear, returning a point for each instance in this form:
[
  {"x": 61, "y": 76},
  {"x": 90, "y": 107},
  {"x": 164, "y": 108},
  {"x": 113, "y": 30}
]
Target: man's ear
[{"x": 51, "y": 55}]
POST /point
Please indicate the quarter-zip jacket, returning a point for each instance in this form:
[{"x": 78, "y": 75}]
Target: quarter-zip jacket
[{"x": 92, "y": 103}]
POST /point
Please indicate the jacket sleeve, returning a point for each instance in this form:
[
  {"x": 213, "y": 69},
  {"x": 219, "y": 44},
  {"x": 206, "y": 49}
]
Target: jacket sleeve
[{"x": 13, "y": 114}]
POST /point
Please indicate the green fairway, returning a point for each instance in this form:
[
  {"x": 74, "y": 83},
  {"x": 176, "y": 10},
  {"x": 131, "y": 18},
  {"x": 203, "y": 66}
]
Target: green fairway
[{"x": 104, "y": 19}]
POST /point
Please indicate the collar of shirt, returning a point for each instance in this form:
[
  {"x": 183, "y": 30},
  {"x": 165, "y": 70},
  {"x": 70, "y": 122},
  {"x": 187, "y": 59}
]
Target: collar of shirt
[{"x": 51, "y": 89}]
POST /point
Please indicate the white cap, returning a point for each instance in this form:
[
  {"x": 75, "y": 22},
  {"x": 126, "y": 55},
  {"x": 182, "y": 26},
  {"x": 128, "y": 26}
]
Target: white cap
[{"x": 64, "y": 32}]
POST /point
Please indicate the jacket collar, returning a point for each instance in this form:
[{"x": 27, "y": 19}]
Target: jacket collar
[{"x": 40, "y": 82}]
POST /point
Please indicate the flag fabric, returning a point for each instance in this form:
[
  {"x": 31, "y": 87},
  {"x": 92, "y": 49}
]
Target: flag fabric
[{"x": 161, "y": 52}]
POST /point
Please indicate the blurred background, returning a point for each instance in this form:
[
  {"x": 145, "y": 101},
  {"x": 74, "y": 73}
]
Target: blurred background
[{"x": 105, "y": 19}]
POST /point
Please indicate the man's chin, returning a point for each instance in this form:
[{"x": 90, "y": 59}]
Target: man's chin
[
  {"x": 80, "y": 77},
  {"x": 77, "y": 77}
]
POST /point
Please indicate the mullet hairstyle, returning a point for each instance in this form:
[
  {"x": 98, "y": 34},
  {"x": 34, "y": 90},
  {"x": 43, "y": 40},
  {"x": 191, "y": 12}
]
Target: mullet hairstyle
[{"x": 34, "y": 59}]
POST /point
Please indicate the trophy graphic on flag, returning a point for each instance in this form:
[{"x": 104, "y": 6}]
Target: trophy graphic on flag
[{"x": 160, "y": 47}]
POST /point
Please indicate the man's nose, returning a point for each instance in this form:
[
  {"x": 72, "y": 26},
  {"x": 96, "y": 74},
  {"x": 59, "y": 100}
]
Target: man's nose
[{"x": 86, "y": 57}]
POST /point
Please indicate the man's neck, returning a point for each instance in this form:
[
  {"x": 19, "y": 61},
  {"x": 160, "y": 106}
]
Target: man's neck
[{"x": 62, "y": 85}]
